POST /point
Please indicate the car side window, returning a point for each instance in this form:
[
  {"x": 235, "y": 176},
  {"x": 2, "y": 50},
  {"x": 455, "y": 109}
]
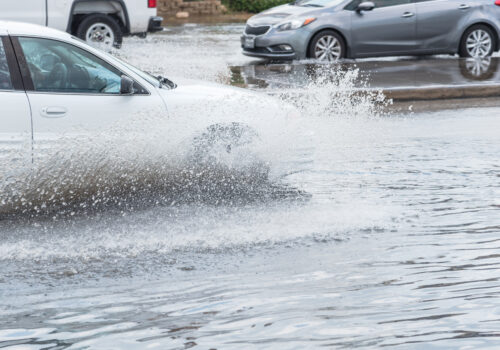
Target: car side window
[
  {"x": 387, "y": 3},
  {"x": 5, "y": 80},
  {"x": 56, "y": 66},
  {"x": 378, "y": 3}
]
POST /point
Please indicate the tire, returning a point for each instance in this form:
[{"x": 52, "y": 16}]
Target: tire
[
  {"x": 225, "y": 138},
  {"x": 477, "y": 34},
  {"x": 101, "y": 31},
  {"x": 229, "y": 147},
  {"x": 335, "y": 47}
]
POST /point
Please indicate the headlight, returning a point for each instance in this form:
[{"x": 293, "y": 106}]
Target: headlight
[{"x": 294, "y": 24}]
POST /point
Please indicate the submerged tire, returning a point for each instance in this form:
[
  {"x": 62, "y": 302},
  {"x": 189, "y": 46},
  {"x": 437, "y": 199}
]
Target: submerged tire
[
  {"x": 101, "y": 31},
  {"x": 221, "y": 138},
  {"x": 228, "y": 147}
]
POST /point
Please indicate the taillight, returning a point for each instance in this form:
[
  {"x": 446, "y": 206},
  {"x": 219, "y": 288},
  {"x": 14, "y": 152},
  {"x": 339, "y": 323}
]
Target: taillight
[
  {"x": 152, "y": 3},
  {"x": 497, "y": 2}
]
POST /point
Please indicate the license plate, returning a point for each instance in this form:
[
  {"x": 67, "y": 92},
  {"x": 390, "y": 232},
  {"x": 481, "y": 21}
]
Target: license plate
[{"x": 248, "y": 42}]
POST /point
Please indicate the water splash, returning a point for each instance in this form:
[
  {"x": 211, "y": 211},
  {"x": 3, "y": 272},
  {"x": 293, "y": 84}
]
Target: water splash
[
  {"x": 147, "y": 164},
  {"x": 153, "y": 159},
  {"x": 332, "y": 91}
]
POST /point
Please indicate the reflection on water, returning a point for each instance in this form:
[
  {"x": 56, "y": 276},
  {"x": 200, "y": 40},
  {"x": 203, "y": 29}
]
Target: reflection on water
[
  {"x": 374, "y": 73},
  {"x": 479, "y": 68}
]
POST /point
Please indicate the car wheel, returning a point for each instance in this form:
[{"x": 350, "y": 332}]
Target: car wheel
[
  {"x": 100, "y": 31},
  {"x": 477, "y": 41},
  {"x": 224, "y": 146},
  {"x": 327, "y": 46},
  {"x": 221, "y": 139}
]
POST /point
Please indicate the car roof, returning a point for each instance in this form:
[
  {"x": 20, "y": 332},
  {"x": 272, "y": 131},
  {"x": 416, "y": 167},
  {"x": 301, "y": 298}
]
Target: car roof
[{"x": 20, "y": 28}]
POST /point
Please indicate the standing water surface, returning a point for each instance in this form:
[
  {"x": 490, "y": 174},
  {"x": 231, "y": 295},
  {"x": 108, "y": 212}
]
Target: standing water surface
[{"x": 391, "y": 240}]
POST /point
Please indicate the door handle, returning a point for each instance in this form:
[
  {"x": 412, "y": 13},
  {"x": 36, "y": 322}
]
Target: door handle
[
  {"x": 464, "y": 7},
  {"x": 408, "y": 14},
  {"x": 53, "y": 112}
]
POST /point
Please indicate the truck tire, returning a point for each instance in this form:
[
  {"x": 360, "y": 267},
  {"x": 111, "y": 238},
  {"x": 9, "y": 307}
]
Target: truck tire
[{"x": 101, "y": 31}]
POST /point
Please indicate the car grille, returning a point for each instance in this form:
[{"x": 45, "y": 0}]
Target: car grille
[{"x": 256, "y": 30}]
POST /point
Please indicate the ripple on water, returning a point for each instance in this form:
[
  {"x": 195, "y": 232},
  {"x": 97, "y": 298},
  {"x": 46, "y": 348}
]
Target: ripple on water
[{"x": 395, "y": 246}]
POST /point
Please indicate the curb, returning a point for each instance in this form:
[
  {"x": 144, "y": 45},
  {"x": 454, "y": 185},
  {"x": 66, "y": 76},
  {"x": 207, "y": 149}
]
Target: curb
[{"x": 441, "y": 93}]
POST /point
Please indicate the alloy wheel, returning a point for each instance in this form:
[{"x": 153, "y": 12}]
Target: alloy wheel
[
  {"x": 328, "y": 48},
  {"x": 478, "y": 43},
  {"x": 100, "y": 35}
]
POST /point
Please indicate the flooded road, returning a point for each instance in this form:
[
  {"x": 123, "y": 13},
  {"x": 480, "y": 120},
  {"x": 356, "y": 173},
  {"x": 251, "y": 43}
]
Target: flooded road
[
  {"x": 387, "y": 237},
  {"x": 386, "y": 74}
]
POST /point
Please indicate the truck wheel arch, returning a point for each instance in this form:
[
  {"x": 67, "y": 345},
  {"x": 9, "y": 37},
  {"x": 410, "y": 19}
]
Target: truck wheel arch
[{"x": 115, "y": 8}]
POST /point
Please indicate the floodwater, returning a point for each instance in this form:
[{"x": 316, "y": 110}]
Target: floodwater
[{"x": 386, "y": 237}]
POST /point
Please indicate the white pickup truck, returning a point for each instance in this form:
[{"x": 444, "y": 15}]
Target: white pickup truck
[{"x": 101, "y": 23}]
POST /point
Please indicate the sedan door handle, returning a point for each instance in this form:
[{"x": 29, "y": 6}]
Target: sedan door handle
[
  {"x": 408, "y": 14},
  {"x": 53, "y": 112},
  {"x": 464, "y": 7}
]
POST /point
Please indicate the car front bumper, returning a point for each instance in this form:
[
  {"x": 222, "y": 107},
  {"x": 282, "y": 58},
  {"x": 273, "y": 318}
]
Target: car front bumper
[
  {"x": 265, "y": 52},
  {"x": 155, "y": 24},
  {"x": 286, "y": 45}
]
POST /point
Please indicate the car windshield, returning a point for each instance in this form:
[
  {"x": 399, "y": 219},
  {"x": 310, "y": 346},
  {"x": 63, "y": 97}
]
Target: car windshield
[
  {"x": 316, "y": 3},
  {"x": 155, "y": 81},
  {"x": 145, "y": 75}
]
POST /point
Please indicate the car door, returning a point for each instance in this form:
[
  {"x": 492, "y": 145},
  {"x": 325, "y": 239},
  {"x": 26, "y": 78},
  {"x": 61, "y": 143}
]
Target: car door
[
  {"x": 15, "y": 118},
  {"x": 388, "y": 29},
  {"x": 440, "y": 23},
  {"x": 75, "y": 93}
]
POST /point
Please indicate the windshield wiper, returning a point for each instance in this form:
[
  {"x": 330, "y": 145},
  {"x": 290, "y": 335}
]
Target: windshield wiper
[{"x": 312, "y": 5}]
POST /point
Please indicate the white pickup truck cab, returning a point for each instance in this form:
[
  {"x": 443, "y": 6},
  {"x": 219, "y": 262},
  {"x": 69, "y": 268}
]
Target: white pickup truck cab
[
  {"x": 53, "y": 86},
  {"x": 101, "y": 23}
]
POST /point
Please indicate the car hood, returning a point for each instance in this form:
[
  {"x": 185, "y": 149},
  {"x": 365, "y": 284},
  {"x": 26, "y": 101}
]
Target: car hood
[
  {"x": 193, "y": 90},
  {"x": 223, "y": 101},
  {"x": 279, "y": 14}
]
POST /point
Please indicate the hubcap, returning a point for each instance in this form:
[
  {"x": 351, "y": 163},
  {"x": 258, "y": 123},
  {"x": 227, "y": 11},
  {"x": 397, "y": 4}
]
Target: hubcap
[
  {"x": 100, "y": 35},
  {"x": 327, "y": 48},
  {"x": 478, "y": 43}
]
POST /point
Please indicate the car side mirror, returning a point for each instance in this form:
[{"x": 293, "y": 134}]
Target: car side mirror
[
  {"x": 126, "y": 86},
  {"x": 365, "y": 6}
]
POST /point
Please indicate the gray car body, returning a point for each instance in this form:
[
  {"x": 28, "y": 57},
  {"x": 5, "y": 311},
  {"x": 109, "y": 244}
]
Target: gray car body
[{"x": 435, "y": 27}]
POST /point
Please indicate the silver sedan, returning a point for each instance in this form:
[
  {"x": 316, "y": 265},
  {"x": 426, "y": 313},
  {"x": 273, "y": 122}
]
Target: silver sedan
[{"x": 331, "y": 29}]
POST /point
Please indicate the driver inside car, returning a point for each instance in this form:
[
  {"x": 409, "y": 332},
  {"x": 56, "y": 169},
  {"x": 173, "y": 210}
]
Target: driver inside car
[
  {"x": 53, "y": 67},
  {"x": 5, "y": 83}
]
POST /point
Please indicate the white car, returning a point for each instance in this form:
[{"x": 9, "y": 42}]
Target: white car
[
  {"x": 53, "y": 85},
  {"x": 101, "y": 23}
]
